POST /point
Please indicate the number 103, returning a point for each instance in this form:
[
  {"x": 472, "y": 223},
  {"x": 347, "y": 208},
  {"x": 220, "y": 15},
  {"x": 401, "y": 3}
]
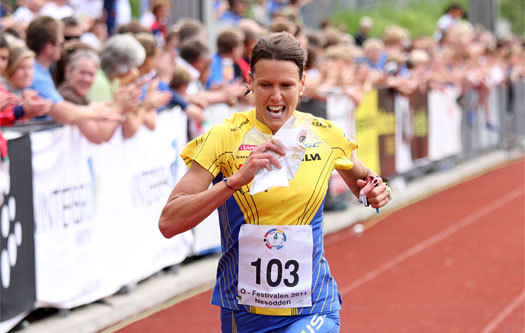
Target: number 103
[{"x": 291, "y": 267}]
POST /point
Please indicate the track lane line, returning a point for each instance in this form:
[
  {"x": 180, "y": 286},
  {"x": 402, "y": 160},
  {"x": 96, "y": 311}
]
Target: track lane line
[
  {"x": 503, "y": 314},
  {"x": 434, "y": 239}
]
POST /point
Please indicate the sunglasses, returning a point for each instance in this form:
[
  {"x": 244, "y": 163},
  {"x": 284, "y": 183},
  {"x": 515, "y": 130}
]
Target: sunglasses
[{"x": 71, "y": 37}]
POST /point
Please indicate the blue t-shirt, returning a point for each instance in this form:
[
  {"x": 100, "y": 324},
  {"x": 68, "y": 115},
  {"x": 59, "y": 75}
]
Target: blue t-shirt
[
  {"x": 43, "y": 83},
  {"x": 230, "y": 17},
  {"x": 176, "y": 98}
]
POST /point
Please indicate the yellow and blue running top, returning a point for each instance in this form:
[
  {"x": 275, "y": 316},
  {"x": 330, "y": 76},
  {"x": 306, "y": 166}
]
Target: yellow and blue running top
[{"x": 222, "y": 151}]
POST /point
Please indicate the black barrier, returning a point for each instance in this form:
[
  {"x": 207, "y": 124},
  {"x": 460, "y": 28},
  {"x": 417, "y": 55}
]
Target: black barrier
[
  {"x": 17, "y": 250},
  {"x": 32, "y": 126},
  {"x": 387, "y": 132},
  {"x": 419, "y": 112}
]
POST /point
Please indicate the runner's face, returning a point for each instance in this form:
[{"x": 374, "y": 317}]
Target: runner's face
[{"x": 276, "y": 86}]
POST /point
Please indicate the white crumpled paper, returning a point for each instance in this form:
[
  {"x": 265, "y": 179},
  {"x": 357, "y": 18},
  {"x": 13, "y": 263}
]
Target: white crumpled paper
[{"x": 290, "y": 137}]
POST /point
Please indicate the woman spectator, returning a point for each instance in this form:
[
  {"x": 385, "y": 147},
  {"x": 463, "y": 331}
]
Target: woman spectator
[
  {"x": 79, "y": 76},
  {"x": 80, "y": 71},
  {"x": 119, "y": 61},
  {"x": 18, "y": 77}
]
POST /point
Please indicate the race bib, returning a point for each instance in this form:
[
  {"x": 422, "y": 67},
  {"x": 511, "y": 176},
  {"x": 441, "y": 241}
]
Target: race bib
[{"x": 275, "y": 266}]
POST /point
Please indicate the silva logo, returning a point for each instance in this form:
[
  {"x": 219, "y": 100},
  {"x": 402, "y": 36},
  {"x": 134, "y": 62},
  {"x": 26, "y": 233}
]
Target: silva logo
[
  {"x": 315, "y": 324},
  {"x": 311, "y": 157},
  {"x": 275, "y": 239}
]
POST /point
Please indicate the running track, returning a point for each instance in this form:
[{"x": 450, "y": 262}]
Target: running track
[{"x": 453, "y": 262}]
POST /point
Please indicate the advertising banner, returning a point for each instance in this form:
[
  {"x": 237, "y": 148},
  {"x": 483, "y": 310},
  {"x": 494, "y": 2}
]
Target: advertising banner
[
  {"x": 97, "y": 209},
  {"x": 444, "y": 119},
  {"x": 367, "y": 130},
  {"x": 386, "y": 122},
  {"x": 17, "y": 252},
  {"x": 419, "y": 111}
]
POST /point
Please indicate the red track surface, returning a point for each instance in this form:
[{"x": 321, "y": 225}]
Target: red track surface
[{"x": 453, "y": 262}]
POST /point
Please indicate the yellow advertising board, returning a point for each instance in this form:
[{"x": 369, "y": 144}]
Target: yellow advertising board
[{"x": 367, "y": 131}]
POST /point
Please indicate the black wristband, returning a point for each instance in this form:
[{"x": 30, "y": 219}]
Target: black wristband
[{"x": 225, "y": 180}]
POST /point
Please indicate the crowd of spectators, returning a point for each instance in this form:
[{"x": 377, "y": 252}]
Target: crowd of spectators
[{"x": 60, "y": 62}]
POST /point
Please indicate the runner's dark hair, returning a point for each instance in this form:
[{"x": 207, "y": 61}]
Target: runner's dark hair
[{"x": 279, "y": 46}]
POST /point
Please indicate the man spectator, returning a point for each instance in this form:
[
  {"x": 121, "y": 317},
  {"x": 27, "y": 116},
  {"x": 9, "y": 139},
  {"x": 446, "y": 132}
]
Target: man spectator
[
  {"x": 365, "y": 25},
  {"x": 224, "y": 67},
  {"x": 72, "y": 28},
  {"x": 235, "y": 12}
]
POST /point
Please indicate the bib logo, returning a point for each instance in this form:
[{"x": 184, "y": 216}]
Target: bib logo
[{"x": 275, "y": 239}]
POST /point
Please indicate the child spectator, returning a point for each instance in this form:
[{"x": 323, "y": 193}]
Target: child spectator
[
  {"x": 179, "y": 83},
  {"x": 18, "y": 75},
  {"x": 159, "y": 27},
  {"x": 224, "y": 67}
]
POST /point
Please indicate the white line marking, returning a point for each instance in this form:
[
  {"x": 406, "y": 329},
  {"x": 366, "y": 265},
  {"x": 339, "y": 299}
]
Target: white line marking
[
  {"x": 434, "y": 239},
  {"x": 500, "y": 317}
]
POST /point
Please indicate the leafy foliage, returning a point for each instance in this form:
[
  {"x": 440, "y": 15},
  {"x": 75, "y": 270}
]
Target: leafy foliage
[{"x": 420, "y": 17}]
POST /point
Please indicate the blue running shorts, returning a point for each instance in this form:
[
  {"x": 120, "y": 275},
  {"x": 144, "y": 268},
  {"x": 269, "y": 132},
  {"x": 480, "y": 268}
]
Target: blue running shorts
[{"x": 245, "y": 322}]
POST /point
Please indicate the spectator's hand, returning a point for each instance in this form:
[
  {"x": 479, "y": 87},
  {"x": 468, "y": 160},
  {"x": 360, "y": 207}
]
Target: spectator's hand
[
  {"x": 195, "y": 113},
  {"x": 197, "y": 100},
  {"x": 155, "y": 98},
  {"x": 7, "y": 100},
  {"x": 262, "y": 156},
  {"x": 234, "y": 91},
  {"x": 127, "y": 98},
  {"x": 104, "y": 111},
  {"x": 34, "y": 106}
]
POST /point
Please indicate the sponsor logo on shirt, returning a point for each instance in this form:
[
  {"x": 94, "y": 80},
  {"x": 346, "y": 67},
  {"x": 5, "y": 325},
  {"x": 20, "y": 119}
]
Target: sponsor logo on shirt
[
  {"x": 247, "y": 147},
  {"x": 311, "y": 157}
]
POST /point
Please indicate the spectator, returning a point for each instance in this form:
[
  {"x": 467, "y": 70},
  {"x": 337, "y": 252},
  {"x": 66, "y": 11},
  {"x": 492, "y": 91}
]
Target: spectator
[
  {"x": 453, "y": 14},
  {"x": 224, "y": 67},
  {"x": 251, "y": 31},
  {"x": 26, "y": 11},
  {"x": 57, "y": 9},
  {"x": 79, "y": 76},
  {"x": 96, "y": 35},
  {"x": 236, "y": 11},
  {"x": 260, "y": 12},
  {"x": 132, "y": 27},
  {"x": 194, "y": 56},
  {"x": 72, "y": 29},
  {"x": 9, "y": 110},
  {"x": 88, "y": 8},
  {"x": 365, "y": 25},
  {"x": 153, "y": 96},
  {"x": 375, "y": 55},
  {"x": 44, "y": 37},
  {"x": 274, "y": 7},
  {"x": 18, "y": 77},
  {"x": 178, "y": 85},
  {"x": 119, "y": 61},
  {"x": 188, "y": 29},
  {"x": 159, "y": 28}
]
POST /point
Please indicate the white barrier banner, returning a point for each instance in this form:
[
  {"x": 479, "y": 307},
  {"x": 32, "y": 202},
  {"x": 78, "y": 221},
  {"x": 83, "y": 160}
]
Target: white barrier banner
[
  {"x": 444, "y": 133},
  {"x": 340, "y": 109},
  {"x": 97, "y": 208},
  {"x": 404, "y": 134}
]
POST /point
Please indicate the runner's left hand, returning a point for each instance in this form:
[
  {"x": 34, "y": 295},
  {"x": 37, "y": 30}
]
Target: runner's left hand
[{"x": 375, "y": 191}]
